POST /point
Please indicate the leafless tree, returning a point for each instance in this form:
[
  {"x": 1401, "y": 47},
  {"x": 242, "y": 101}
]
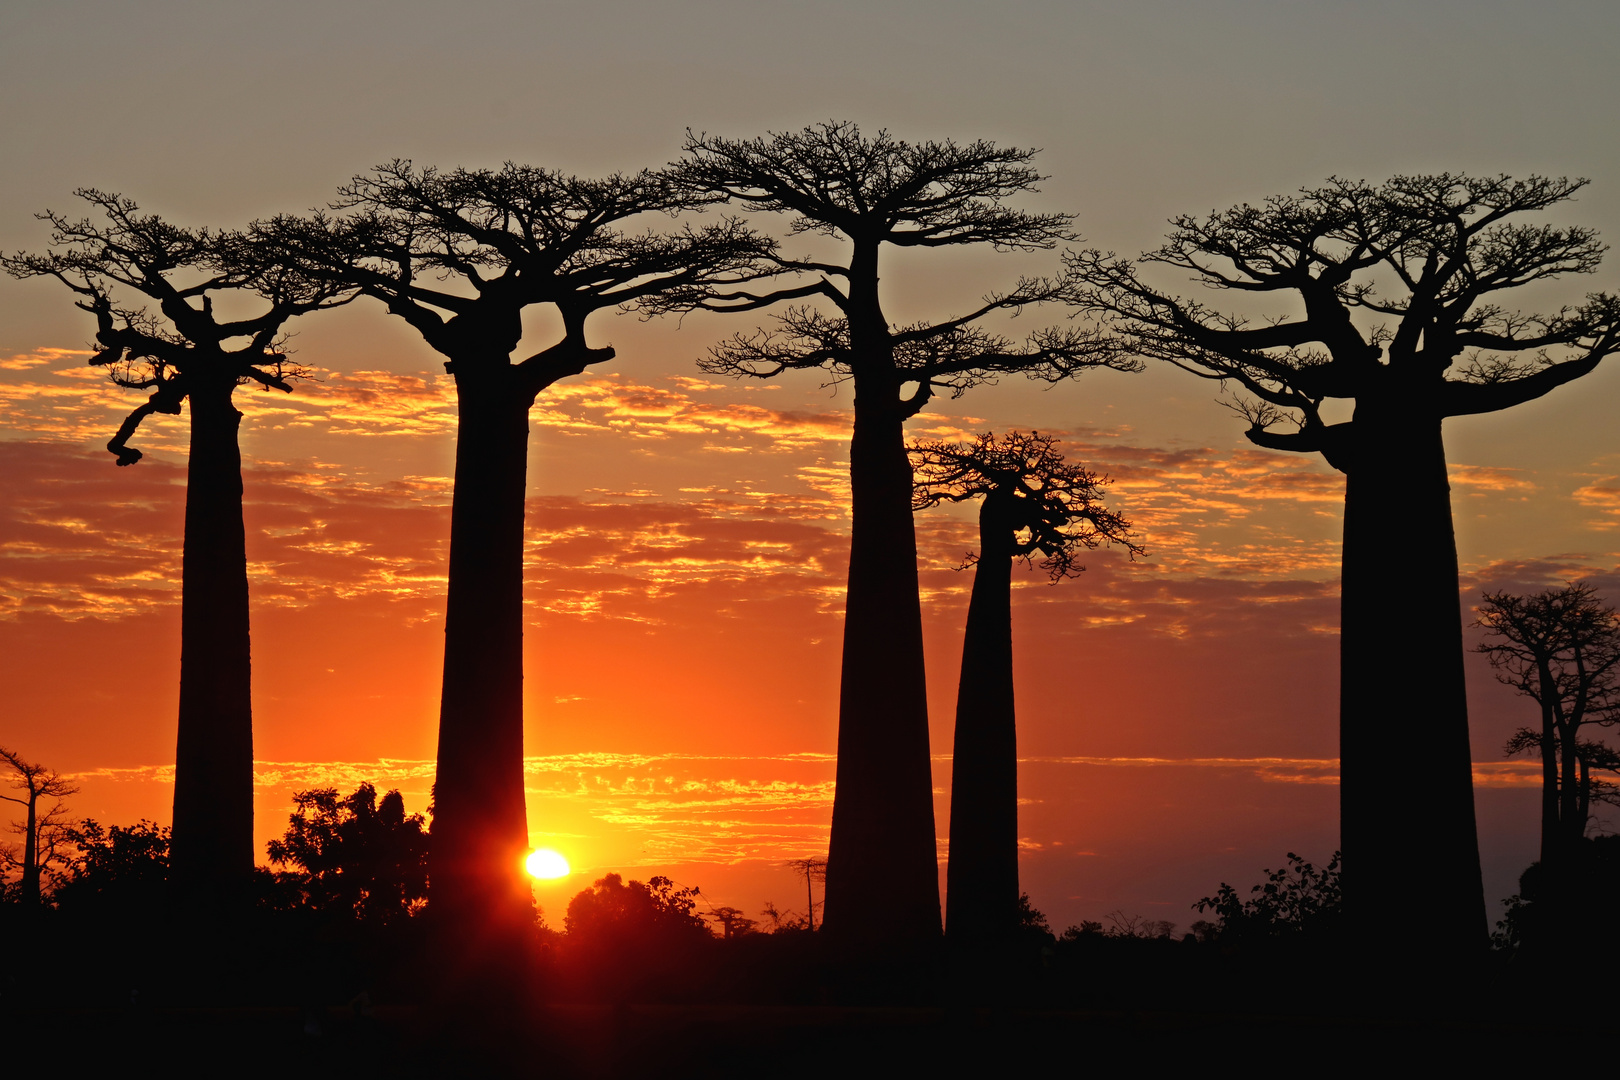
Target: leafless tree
[
  {"x": 1032, "y": 502},
  {"x": 460, "y": 255},
  {"x": 47, "y": 837},
  {"x": 187, "y": 352},
  {"x": 875, "y": 193},
  {"x": 1386, "y": 297}
]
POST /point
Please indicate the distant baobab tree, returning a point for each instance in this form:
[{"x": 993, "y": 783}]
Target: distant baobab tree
[
  {"x": 812, "y": 870},
  {"x": 1032, "y": 502},
  {"x": 188, "y": 353},
  {"x": 47, "y": 837},
  {"x": 1393, "y": 294},
  {"x": 1561, "y": 649},
  {"x": 460, "y": 255},
  {"x": 871, "y": 193}
]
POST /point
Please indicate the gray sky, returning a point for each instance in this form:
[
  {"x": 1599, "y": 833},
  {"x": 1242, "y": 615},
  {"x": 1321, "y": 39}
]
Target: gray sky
[{"x": 214, "y": 114}]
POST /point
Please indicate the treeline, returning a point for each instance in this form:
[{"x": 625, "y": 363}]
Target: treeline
[
  {"x": 1395, "y": 306},
  {"x": 339, "y": 916}
]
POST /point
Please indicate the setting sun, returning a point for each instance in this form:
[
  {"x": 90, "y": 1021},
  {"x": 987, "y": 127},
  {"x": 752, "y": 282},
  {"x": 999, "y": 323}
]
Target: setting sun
[{"x": 545, "y": 864}]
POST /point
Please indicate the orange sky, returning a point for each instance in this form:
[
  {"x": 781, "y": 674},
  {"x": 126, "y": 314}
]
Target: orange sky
[
  {"x": 687, "y": 546},
  {"x": 688, "y": 535}
]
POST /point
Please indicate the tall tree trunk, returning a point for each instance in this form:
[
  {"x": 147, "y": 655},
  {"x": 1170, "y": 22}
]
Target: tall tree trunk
[
  {"x": 882, "y": 862},
  {"x": 1583, "y": 809},
  {"x": 30, "y": 870},
  {"x": 1550, "y": 833},
  {"x": 981, "y": 876},
  {"x": 480, "y": 831},
  {"x": 212, "y": 846},
  {"x": 1411, "y": 853},
  {"x": 1569, "y": 797}
]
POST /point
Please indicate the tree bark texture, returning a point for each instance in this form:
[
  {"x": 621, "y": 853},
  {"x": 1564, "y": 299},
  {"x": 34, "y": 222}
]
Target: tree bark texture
[
  {"x": 212, "y": 845},
  {"x": 480, "y": 830},
  {"x": 1411, "y": 870},
  {"x": 883, "y": 856},
  {"x": 981, "y": 876}
]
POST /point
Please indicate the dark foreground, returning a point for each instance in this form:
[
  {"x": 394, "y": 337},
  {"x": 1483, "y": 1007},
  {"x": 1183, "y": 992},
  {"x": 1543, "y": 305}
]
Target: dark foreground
[
  {"x": 781, "y": 1006},
  {"x": 631, "y": 1040}
]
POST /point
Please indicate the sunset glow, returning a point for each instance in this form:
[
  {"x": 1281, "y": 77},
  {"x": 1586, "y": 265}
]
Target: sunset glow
[
  {"x": 546, "y": 864},
  {"x": 687, "y": 536}
]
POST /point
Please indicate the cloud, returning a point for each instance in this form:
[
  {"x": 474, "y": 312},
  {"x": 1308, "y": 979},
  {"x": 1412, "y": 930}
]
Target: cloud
[
  {"x": 1267, "y": 769},
  {"x": 654, "y": 808},
  {"x": 1479, "y": 480},
  {"x": 43, "y": 357},
  {"x": 1604, "y": 497}
]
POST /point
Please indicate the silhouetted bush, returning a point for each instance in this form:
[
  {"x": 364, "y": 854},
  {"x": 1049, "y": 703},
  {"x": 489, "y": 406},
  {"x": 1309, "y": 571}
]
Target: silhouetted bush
[
  {"x": 354, "y": 856},
  {"x": 627, "y": 938},
  {"x": 117, "y": 870},
  {"x": 1298, "y": 899},
  {"x": 1548, "y": 915}
]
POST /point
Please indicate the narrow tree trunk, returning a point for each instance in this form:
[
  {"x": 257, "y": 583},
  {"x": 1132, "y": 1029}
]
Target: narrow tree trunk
[
  {"x": 480, "y": 831},
  {"x": 1573, "y": 822},
  {"x": 212, "y": 845},
  {"x": 882, "y": 864},
  {"x": 1549, "y": 771},
  {"x": 1411, "y": 853},
  {"x": 981, "y": 876},
  {"x": 1583, "y": 808},
  {"x": 30, "y": 872}
]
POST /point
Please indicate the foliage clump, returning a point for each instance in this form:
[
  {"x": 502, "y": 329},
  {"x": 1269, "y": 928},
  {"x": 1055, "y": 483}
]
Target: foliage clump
[
  {"x": 354, "y": 855},
  {"x": 1295, "y": 900}
]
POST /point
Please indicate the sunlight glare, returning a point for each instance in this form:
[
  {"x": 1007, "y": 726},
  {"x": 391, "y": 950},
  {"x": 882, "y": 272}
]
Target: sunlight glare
[{"x": 545, "y": 864}]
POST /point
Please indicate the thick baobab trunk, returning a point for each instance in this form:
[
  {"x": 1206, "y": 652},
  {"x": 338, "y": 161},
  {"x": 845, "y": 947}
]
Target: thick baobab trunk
[
  {"x": 1411, "y": 854},
  {"x": 212, "y": 852},
  {"x": 882, "y": 862},
  {"x": 981, "y": 877},
  {"x": 480, "y": 831}
]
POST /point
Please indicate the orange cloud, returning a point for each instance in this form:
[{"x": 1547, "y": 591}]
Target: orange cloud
[{"x": 1604, "y": 497}]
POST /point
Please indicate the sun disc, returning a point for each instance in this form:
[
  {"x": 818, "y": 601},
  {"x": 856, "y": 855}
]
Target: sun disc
[{"x": 544, "y": 863}]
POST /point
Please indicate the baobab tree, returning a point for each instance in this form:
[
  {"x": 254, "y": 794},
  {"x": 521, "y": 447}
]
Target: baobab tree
[
  {"x": 1561, "y": 649},
  {"x": 873, "y": 193},
  {"x": 1032, "y": 502},
  {"x": 460, "y": 255},
  {"x": 188, "y": 354},
  {"x": 812, "y": 869},
  {"x": 45, "y": 836},
  {"x": 1385, "y": 297}
]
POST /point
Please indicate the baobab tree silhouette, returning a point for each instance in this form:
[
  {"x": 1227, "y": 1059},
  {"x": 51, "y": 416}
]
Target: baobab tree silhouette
[
  {"x": 1394, "y": 295},
  {"x": 460, "y": 255},
  {"x": 45, "y": 836},
  {"x": 1032, "y": 503},
  {"x": 871, "y": 192},
  {"x": 184, "y": 354},
  {"x": 1560, "y": 648}
]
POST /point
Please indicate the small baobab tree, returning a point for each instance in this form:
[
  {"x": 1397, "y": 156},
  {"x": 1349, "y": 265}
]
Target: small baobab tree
[
  {"x": 1032, "y": 503},
  {"x": 1561, "y": 649},
  {"x": 190, "y": 353},
  {"x": 47, "y": 836}
]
